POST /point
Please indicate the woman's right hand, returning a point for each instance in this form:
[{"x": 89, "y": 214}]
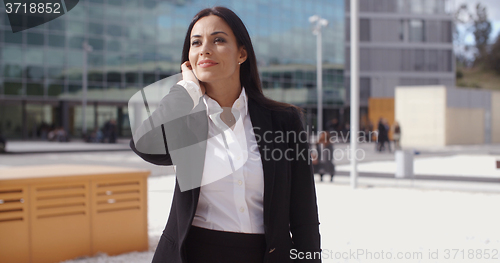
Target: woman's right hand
[{"x": 188, "y": 74}]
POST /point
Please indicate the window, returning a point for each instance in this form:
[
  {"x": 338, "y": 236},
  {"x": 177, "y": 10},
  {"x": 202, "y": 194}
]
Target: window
[
  {"x": 113, "y": 45},
  {"x": 114, "y": 2},
  {"x": 148, "y": 78},
  {"x": 76, "y": 27},
  {"x": 13, "y": 88},
  {"x": 402, "y": 30},
  {"x": 364, "y": 30},
  {"x": 364, "y": 88},
  {"x": 114, "y": 30},
  {"x": 95, "y": 28},
  {"x": 74, "y": 74},
  {"x": 432, "y": 60},
  {"x": 417, "y": 6},
  {"x": 35, "y": 39},
  {"x": 95, "y": 76},
  {"x": 34, "y": 89},
  {"x": 13, "y": 38},
  {"x": 419, "y": 58},
  {"x": 56, "y": 73},
  {"x": 12, "y": 71},
  {"x": 416, "y": 28},
  {"x": 57, "y": 41},
  {"x": 113, "y": 59},
  {"x": 57, "y": 24},
  {"x": 402, "y": 6},
  {"x": 132, "y": 78},
  {"x": 54, "y": 57},
  {"x": 95, "y": 59},
  {"x": 96, "y": 12},
  {"x": 446, "y": 29},
  {"x": 114, "y": 77},
  {"x": 55, "y": 89},
  {"x": 33, "y": 56},
  {"x": 75, "y": 42},
  {"x": 96, "y": 43},
  {"x": 34, "y": 73},
  {"x": 75, "y": 88}
]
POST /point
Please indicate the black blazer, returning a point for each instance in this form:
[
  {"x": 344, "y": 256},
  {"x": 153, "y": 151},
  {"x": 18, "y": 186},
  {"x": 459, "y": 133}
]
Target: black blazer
[{"x": 289, "y": 190}]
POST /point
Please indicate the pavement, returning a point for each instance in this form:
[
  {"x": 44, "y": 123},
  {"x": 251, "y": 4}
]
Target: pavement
[
  {"x": 30, "y": 147},
  {"x": 449, "y": 203},
  {"x": 457, "y": 163},
  {"x": 371, "y": 224}
]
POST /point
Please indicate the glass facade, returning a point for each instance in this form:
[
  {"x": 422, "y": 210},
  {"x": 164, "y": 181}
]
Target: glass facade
[{"x": 137, "y": 42}]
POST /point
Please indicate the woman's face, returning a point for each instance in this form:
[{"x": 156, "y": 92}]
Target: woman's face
[{"x": 214, "y": 54}]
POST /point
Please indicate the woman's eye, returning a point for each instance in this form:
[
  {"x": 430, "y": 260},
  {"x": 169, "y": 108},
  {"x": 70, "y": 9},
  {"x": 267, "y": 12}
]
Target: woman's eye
[
  {"x": 196, "y": 42},
  {"x": 218, "y": 39}
]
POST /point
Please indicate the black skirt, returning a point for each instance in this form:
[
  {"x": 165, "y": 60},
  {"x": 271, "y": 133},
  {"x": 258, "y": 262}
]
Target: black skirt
[{"x": 213, "y": 246}]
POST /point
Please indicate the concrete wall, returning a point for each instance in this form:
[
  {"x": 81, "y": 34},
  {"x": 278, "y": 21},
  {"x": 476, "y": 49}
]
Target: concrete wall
[
  {"x": 421, "y": 112},
  {"x": 464, "y": 126},
  {"x": 495, "y": 117}
]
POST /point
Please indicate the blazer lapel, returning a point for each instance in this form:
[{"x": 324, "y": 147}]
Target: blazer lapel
[{"x": 262, "y": 122}]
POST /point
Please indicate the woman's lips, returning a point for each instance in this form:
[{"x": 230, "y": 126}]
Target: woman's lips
[{"x": 206, "y": 63}]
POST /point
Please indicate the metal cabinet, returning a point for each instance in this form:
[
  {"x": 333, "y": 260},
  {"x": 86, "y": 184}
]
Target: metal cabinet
[{"x": 58, "y": 212}]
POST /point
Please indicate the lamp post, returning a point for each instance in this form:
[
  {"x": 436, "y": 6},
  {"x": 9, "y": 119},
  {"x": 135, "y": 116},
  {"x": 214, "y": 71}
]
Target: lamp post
[
  {"x": 86, "y": 48},
  {"x": 318, "y": 23},
  {"x": 354, "y": 89}
]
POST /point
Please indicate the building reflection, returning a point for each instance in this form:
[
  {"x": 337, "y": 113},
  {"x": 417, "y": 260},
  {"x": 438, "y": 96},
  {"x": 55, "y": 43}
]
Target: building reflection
[{"x": 136, "y": 43}]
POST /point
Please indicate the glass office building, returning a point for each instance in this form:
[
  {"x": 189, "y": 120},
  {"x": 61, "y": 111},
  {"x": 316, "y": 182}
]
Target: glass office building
[{"x": 137, "y": 42}]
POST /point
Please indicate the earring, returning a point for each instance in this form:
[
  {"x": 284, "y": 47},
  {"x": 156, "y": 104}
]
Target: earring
[{"x": 239, "y": 63}]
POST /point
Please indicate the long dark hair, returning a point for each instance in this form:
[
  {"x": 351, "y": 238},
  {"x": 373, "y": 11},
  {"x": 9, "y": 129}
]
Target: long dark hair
[{"x": 249, "y": 75}]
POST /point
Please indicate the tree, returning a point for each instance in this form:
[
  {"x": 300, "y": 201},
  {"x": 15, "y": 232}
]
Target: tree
[
  {"x": 495, "y": 56},
  {"x": 482, "y": 30},
  {"x": 463, "y": 18}
]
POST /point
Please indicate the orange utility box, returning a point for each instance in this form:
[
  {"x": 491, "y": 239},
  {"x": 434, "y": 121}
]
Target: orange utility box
[{"x": 53, "y": 213}]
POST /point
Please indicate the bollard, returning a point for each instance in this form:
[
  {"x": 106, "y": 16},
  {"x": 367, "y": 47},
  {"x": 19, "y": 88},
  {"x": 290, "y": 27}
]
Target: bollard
[{"x": 404, "y": 164}]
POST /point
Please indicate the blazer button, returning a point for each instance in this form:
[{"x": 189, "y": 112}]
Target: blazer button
[{"x": 271, "y": 250}]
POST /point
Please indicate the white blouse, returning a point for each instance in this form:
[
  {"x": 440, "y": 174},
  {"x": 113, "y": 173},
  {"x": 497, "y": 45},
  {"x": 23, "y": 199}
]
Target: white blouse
[{"x": 232, "y": 188}]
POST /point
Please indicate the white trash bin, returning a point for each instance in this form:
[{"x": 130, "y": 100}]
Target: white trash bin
[{"x": 404, "y": 164}]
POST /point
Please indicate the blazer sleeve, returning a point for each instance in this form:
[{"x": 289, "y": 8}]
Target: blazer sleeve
[
  {"x": 304, "y": 221},
  {"x": 149, "y": 140}
]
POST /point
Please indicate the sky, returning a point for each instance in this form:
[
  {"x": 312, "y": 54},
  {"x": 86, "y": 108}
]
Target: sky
[{"x": 493, "y": 9}]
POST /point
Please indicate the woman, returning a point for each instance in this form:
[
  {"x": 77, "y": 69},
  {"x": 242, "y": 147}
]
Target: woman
[
  {"x": 396, "y": 135},
  {"x": 248, "y": 214},
  {"x": 323, "y": 160}
]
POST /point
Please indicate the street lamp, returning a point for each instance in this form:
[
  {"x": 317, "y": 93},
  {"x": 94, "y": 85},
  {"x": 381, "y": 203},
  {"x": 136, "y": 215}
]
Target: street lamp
[
  {"x": 86, "y": 48},
  {"x": 318, "y": 23},
  {"x": 354, "y": 89}
]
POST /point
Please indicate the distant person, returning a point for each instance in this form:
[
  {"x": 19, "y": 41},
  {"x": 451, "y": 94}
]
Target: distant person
[
  {"x": 396, "y": 135},
  {"x": 62, "y": 135},
  {"x": 112, "y": 131},
  {"x": 106, "y": 130},
  {"x": 43, "y": 130},
  {"x": 333, "y": 125},
  {"x": 383, "y": 135},
  {"x": 51, "y": 135},
  {"x": 323, "y": 161},
  {"x": 96, "y": 136}
]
